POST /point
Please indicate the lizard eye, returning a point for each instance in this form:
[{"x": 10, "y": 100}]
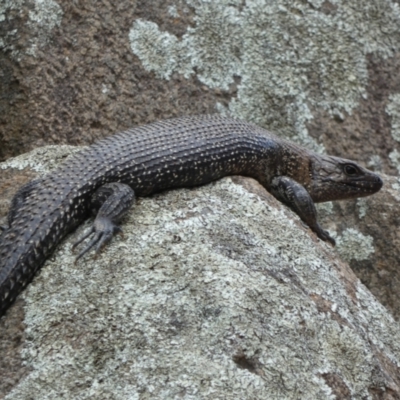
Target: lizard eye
[{"x": 350, "y": 170}]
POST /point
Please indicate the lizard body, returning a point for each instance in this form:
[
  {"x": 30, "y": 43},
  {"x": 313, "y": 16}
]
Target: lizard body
[{"x": 183, "y": 152}]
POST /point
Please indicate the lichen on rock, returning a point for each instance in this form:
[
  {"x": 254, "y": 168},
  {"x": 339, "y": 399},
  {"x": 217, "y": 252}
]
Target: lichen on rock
[
  {"x": 393, "y": 109},
  {"x": 41, "y": 16},
  {"x": 290, "y": 56}
]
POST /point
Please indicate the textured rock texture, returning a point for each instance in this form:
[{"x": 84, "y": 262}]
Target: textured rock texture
[
  {"x": 217, "y": 292},
  {"x": 324, "y": 73},
  {"x": 68, "y": 74}
]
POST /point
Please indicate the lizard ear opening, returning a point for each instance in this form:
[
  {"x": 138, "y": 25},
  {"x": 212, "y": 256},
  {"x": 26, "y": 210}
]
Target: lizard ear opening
[{"x": 351, "y": 170}]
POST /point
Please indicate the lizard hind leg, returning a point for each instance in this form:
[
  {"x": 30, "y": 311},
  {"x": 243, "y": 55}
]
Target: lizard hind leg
[{"x": 113, "y": 201}]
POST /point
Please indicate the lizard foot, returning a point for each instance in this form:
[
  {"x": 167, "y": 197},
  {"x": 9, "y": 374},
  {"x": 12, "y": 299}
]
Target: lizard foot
[
  {"x": 112, "y": 201},
  {"x": 324, "y": 235},
  {"x": 103, "y": 230}
]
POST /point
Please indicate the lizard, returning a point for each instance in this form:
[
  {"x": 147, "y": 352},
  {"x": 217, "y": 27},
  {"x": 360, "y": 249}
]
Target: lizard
[{"x": 109, "y": 175}]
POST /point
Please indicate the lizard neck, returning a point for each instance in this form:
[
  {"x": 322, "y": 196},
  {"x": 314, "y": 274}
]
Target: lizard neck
[{"x": 288, "y": 160}]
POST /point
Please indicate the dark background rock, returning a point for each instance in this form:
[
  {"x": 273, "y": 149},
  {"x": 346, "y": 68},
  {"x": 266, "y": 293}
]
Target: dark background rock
[
  {"x": 83, "y": 81},
  {"x": 365, "y": 135}
]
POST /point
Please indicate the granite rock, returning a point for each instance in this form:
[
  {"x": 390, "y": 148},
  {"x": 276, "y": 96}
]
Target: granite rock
[{"x": 215, "y": 292}]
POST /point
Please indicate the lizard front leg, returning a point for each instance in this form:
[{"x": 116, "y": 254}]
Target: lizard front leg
[
  {"x": 112, "y": 200},
  {"x": 295, "y": 196}
]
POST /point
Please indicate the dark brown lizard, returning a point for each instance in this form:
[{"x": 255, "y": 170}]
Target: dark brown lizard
[{"x": 183, "y": 152}]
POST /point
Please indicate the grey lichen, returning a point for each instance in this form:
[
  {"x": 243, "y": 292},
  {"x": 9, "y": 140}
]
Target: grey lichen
[
  {"x": 290, "y": 55},
  {"x": 394, "y": 157},
  {"x": 325, "y": 208},
  {"x": 5, "y": 8},
  {"x": 353, "y": 245},
  {"x": 395, "y": 189},
  {"x": 375, "y": 163},
  {"x": 173, "y": 12},
  {"x": 362, "y": 206},
  {"x": 43, "y": 17},
  {"x": 42, "y": 159},
  {"x": 393, "y": 109}
]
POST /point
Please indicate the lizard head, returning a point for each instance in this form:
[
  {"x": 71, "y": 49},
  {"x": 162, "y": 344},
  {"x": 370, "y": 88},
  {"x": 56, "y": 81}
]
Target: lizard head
[{"x": 334, "y": 178}]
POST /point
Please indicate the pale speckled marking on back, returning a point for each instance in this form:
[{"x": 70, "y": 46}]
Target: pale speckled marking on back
[{"x": 173, "y": 153}]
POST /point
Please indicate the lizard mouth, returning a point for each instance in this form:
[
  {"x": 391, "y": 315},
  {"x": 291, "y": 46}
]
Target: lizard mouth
[
  {"x": 351, "y": 188},
  {"x": 374, "y": 183},
  {"x": 362, "y": 181}
]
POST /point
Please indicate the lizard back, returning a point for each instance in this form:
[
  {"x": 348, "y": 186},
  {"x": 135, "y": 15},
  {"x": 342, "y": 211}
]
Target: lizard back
[{"x": 168, "y": 154}]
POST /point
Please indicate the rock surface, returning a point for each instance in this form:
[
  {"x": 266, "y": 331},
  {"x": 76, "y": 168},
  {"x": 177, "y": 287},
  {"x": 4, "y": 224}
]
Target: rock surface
[
  {"x": 213, "y": 292},
  {"x": 369, "y": 240}
]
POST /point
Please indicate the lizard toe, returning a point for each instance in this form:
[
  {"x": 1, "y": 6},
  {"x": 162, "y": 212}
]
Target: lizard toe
[{"x": 103, "y": 230}]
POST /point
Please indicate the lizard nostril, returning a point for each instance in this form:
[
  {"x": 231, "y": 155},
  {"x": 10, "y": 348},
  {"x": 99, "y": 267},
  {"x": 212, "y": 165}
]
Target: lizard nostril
[{"x": 379, "y": 183}]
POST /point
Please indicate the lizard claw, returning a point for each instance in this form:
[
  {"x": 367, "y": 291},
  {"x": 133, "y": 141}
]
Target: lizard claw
[
  {"x": 326, "y": 237},
  {"x": 112, "y": 200},
  {"x": 103, "y": 230}
]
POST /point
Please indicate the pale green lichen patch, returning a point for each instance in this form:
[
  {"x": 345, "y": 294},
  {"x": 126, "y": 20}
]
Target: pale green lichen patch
[
  {"x": 394, "y": 157},
  {"x": 42, "y": 159},
  {"x": 164, "y": 54},
  {"x": 202, "y": 278},
  {"x": 393, "y": 109},
  {"x": 324, "y": 208},
  {"x": 362, "y": 206},
  {"x": 290, "y": 55},
  {"x": 353, "y": 245},
  {"x": 43, "y": 17},
  {"x": 375, "y": 163}
]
